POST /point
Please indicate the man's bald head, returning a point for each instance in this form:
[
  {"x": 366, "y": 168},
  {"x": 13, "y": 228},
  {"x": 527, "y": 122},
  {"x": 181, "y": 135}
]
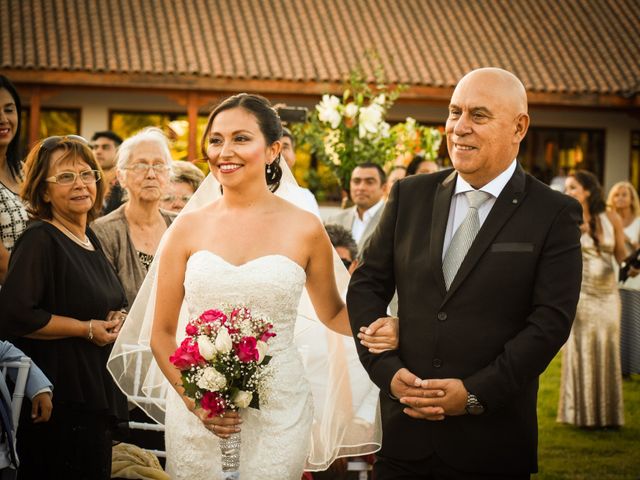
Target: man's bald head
[
  {"x": 500, "y": 82},
  {"x": 487, "y": 121}
]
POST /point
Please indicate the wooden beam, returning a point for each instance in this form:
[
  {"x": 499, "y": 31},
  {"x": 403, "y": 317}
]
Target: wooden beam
[
  {"x": 213, "y": 87},
  {"x": 192, "y": 117},
  {"x": 34, "y": 117}
]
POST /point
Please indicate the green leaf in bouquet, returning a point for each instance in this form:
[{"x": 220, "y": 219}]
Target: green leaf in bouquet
[{"x": 255, "y": 401}]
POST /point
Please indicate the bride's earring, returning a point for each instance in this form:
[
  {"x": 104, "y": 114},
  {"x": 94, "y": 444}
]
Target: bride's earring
[{"x": 268, "y": 169}]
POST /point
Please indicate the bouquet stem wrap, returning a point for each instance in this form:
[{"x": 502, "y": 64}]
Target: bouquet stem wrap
[{"x": 230, "y": 450}]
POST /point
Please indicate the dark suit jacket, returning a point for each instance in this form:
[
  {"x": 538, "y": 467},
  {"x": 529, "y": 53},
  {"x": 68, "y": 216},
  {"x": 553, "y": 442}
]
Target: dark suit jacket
[{"x": 506, "y": 315}]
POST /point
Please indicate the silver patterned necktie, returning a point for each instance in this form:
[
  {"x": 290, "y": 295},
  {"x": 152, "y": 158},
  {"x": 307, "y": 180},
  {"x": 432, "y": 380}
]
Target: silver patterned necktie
[{"x": 464, "y": 236}]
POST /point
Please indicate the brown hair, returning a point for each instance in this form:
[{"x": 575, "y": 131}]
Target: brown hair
[{"x": 36, "y": 169}]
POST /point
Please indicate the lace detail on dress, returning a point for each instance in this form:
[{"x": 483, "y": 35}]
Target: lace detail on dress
[{"x": 276, "y": 438}]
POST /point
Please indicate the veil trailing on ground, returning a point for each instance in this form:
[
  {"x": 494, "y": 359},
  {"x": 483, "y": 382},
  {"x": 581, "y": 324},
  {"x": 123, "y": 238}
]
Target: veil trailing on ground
[{"x": 346, "y": 417}]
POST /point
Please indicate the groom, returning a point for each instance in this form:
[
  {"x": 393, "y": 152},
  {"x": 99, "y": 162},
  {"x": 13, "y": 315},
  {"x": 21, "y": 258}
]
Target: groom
[{"x": 486, "y": 261}]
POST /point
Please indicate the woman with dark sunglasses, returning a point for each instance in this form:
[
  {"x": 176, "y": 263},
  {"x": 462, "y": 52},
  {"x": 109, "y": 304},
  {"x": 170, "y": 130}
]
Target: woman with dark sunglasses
[{"x": 62, "y": 305}]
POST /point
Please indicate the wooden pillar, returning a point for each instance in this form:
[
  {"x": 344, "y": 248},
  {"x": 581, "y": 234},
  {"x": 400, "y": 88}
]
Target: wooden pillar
[
  {"x": 34, "y": 116},
  {"x": 192, "y": 117}
]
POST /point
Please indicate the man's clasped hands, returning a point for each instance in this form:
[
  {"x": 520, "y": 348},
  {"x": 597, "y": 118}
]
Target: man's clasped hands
[{"x": 429, "y": 399}]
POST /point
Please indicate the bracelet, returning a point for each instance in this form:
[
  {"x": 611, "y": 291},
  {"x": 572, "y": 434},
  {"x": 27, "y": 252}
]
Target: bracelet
[{"x": 90, "y": 336}]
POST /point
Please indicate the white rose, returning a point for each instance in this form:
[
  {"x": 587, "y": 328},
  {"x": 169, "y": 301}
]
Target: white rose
[
  {"x": 206, "y": 347},
  {"x": 351, "y": 110},
  {"x": 328, "y": 110},
  {"x": 380, "y": 99},
  {"x": 370, "y": 118},
  {"x": 211, "y": 380},
  {"x": 223, "y": 341},
  {"x": 263, "y": 348},
  {"x": 242, "y": 399}
]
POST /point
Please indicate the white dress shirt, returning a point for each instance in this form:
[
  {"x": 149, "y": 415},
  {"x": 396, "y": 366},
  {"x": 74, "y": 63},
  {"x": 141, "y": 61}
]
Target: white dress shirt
[
  {"x": 460, "y": 205},
  {"x": 359, "y": 226}
]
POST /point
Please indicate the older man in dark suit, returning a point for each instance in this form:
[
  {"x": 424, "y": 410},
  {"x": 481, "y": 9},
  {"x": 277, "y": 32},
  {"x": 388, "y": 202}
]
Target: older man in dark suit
[{"x": 486, "y": 261}]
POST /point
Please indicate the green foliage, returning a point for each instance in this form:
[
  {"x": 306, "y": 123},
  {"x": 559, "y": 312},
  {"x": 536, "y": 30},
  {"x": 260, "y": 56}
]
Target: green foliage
[{"x": 567, "y": 452}]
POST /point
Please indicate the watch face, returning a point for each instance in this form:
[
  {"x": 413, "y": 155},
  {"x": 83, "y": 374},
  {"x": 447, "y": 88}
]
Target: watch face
[{"x": 475, "y": 409}]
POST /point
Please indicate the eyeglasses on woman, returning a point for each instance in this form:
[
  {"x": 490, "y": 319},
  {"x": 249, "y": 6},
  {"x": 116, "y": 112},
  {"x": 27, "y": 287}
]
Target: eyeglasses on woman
[{"x": 87, "y": 177}]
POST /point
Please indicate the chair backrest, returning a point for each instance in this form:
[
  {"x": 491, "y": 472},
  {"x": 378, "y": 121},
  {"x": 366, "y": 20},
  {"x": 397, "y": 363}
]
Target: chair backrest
[{"x": 23, "y": 365}]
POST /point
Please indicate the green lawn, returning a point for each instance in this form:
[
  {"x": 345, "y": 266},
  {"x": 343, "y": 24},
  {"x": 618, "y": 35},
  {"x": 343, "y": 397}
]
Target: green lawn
[{"x": 567, "y": 452}]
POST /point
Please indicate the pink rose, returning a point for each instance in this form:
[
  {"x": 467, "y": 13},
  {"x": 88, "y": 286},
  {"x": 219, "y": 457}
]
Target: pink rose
[
  {"x": 191, "y": 329},
  {"x": 267, "y": 334},
  {"x": 247, "y": 350},
  {"x": 214, "y": 403},
  {"x": 187, "y": 355},
  {"x": 212, "y": 316}
]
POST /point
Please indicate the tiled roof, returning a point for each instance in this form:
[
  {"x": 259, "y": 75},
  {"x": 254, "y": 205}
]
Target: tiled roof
[{"x": 554, "y": 46}]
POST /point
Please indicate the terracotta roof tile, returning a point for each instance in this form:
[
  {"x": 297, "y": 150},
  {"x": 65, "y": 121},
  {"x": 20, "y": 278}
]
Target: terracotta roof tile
[{"x": 555, "y": 46}]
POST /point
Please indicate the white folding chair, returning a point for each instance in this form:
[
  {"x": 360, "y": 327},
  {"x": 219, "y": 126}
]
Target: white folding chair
[
  {"x": 139, "y": 397},
  {"x": 23, "y": 365}
]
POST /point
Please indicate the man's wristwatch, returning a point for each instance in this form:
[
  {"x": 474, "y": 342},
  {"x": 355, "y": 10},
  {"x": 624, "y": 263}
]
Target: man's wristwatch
[{"x": 474, "y": 407}]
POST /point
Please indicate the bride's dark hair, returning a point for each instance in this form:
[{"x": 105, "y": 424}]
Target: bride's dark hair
[{"x": 268, "y": 121}]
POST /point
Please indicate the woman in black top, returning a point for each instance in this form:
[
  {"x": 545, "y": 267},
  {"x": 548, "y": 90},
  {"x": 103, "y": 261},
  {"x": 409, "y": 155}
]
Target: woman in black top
[{"x": 62, "y": 304}]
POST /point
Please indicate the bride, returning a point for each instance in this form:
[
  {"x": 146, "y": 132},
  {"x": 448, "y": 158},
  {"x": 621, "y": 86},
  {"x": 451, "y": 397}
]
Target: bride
[{"x": 255, "y": 248}]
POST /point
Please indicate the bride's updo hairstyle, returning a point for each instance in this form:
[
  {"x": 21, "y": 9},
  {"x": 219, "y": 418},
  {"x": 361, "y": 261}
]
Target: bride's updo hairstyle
[{"x": 268, "y": 121}]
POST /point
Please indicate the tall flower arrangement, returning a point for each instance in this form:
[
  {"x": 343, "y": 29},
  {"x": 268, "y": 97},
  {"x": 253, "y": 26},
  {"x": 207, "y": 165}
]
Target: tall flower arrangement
[{"x": 344, "y": 132}]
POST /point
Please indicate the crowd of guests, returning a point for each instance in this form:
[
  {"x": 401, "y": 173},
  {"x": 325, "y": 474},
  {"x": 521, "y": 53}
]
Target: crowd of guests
[{"x": 80, "y": 223}]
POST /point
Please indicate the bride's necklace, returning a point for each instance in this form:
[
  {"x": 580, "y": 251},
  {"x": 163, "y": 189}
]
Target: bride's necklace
[{"x": 86, "y": 243}]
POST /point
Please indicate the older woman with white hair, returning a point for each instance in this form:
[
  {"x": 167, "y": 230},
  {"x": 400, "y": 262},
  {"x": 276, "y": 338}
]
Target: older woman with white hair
[{"x": 131, "y": 234}]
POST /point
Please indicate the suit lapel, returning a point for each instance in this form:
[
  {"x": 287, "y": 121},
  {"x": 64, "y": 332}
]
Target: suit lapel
[
  {"x": 373, "y": 223},
  {"x": 439, "y": 219},
  {"x": 506, "y": 204}
]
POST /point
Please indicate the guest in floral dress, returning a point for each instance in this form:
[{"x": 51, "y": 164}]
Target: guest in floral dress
[{"x": 13, "y": 215}]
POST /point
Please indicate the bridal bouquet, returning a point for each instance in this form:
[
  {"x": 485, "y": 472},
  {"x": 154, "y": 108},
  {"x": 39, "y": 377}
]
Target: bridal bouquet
[
  {"x": 223, "y": 363},
  {"x": 223, "y": 359}
]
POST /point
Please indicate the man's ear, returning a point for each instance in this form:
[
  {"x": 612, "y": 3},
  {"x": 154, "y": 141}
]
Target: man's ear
[{"x": 522, "y": 125}]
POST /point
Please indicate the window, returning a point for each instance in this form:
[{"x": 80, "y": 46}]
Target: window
[
  {"x": 549, "y": 152},
  {"x": 53, "y": 121},
  {"x": 175, "y": 125}
]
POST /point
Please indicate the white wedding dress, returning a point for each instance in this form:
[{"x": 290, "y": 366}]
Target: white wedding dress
[
  {"x": 322, "y": 404},
  {"x": 276, "y": 438}
]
